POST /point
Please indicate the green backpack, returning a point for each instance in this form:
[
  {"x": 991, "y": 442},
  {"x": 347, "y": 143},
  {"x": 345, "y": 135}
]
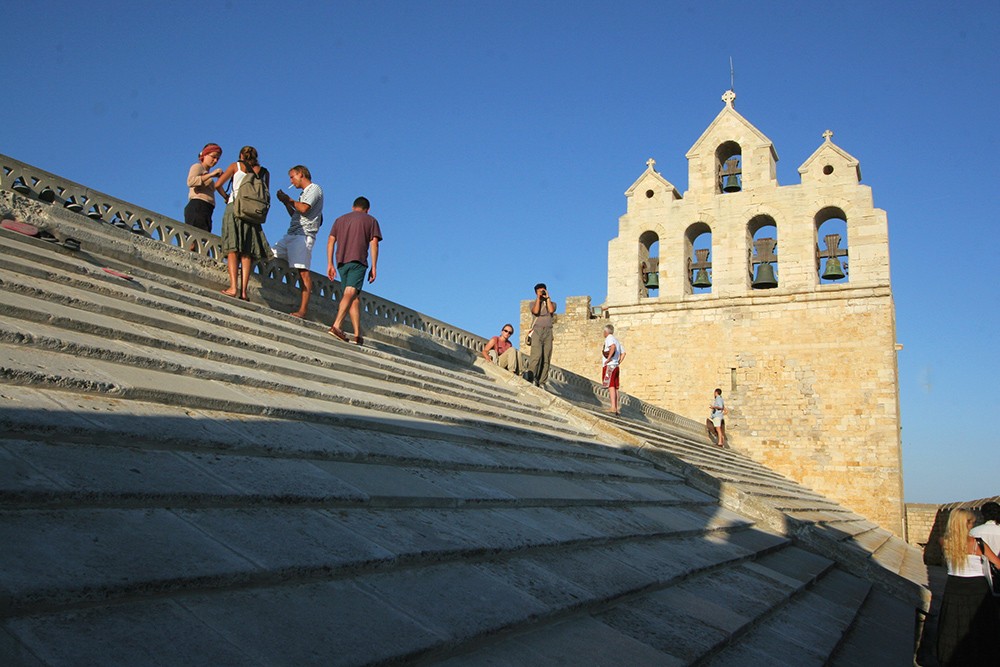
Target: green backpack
[{"x": 253, "y": 199}]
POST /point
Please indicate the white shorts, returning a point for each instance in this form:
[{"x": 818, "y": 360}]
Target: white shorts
[{"x": 296, "y": 249}]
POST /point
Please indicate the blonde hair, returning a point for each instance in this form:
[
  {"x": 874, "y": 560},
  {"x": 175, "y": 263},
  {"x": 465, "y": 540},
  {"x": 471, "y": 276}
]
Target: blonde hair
[{"x": 955, "y": 542}]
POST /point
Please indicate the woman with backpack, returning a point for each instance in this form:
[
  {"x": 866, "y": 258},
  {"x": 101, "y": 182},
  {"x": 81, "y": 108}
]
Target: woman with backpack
[{"x": 243, "y": 239}]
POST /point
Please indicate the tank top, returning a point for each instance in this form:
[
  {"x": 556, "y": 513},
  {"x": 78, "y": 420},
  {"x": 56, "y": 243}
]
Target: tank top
[
  {"x": 973, "y": 567},
  {"x": 237, "y": 181}
]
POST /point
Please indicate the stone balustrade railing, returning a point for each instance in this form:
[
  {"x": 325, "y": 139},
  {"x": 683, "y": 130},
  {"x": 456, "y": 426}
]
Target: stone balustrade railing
[
  {"x": 100, "y": 208},
  {"x": 39, "y": 184}
]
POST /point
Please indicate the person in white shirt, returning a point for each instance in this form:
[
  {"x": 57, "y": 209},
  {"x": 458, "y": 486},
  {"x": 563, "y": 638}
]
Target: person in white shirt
[
  {"x": 612, "y": 357},
  {"x": 989, "y": 532},
  {"x": 307, "y": 216}
]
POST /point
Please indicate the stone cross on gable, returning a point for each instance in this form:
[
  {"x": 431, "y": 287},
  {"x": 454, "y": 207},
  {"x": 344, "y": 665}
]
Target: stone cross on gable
[
  {"x": 828, "y": 135},
  {"x": 651, "y": 163},
  {"x": 729, "y": 97}
]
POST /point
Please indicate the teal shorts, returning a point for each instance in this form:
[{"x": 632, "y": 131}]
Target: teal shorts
[{"x": 352, "y": 274}]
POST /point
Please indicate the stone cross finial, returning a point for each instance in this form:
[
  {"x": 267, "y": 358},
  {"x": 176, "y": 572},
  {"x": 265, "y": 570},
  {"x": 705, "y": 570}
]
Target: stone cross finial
[
  {"x": 651, "y": 163},
  {"x": 828, "y": 135},
  {"x": 729, "y": 97}
]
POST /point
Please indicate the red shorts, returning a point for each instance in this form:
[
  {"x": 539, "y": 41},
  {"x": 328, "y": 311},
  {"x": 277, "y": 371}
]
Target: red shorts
[{"x": 609, "y": 377}]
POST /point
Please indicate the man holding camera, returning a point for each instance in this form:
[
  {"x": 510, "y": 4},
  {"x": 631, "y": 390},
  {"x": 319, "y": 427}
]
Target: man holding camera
[{"x": 543, "y": 310}]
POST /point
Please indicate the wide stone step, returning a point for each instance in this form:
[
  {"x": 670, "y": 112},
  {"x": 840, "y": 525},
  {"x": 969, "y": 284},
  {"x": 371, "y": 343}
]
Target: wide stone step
[{"x": 54, "y": 415}]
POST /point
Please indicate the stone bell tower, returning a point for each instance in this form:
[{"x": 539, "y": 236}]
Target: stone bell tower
[{"x": 777, "y": 294}]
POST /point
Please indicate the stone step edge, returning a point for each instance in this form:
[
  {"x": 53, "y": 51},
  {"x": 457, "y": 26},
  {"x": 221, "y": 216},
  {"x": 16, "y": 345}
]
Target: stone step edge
[
  {"x": 457, "y": 648},
  {"x": 345, "y": 380},
  {"x": 48, "y": 601},
  {"x": 115, "y": 389},
  {"x": 695, "y": 449},
  {"x": 588, "y": 450},
  {"x": 760, "y": 622},
  {"x": 385, "y": 363},
  {"x": 102, "y": 436},
  {"x": 47, "y": 501}
]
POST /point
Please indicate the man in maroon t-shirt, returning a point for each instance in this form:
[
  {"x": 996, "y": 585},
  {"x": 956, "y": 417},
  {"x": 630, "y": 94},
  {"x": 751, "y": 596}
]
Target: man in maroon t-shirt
[{"x": 357, "y": 233}]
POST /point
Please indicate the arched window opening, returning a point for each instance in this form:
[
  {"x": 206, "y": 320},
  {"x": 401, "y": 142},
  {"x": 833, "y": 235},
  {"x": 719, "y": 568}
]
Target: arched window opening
[
  {"x": 649, "y": 265},
  {"x": 728, "y": 168},
  {"x": 762, "y": 231},
  {"x": 698, "y": 242},
  {"x": 831, "y": 234}
]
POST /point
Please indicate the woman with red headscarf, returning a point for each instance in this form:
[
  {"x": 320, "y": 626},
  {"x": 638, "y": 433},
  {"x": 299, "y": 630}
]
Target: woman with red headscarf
[{"x": 201, "y": 188}]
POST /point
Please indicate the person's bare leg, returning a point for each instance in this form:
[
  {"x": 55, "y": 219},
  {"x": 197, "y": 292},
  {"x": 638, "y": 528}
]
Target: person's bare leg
[
  {"x": 306, "y": 279},
  {"x": 245, "y": 263},
  {"x": 356, "y": 318},
  {"x": 613, "y": 392},
  {"x": 232, "y": 260},
  {"x": 349, "y": 295},
  {"x": 721, "y": 438}
]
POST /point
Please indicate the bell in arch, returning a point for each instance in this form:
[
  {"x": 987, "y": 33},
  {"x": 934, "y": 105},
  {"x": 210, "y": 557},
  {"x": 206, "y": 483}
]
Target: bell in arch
[
  {"x": 834, "y": 270},
  {"x": 701, "y": 279},
  {"x": 765, "y": 277},
  {"x": 652, "y": 280},
  {"x": 732, "y": 184},
  {"x": 20, "y": 187}
]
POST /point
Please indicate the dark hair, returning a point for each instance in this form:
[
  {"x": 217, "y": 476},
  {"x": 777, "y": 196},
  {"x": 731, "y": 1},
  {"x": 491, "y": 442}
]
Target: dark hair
[
  {"x": 303, "y": 171},
  {"x": 362, "y": 203},
  {"x": 990, "y": 511},
  {"x": 540, "y": 286},
  {"x": 248, "y": 154},
  {"x": 507, "y": 325},
  {"x": 718, "y": 392}
]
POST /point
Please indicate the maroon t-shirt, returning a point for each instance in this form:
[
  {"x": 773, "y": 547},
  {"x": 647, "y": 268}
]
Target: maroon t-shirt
[{"x": 354, "y": 231}]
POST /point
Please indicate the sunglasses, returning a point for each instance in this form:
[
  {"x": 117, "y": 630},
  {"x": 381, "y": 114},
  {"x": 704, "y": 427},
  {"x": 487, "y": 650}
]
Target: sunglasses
[{"x": 508, "y": 331}]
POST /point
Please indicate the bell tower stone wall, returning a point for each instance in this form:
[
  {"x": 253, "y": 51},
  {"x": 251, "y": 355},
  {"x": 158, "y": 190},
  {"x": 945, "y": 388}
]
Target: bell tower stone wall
[{"x": 807, "y": 368}]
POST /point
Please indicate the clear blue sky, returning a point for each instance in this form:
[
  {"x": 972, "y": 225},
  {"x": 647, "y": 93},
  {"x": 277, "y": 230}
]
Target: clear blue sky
[{"x": 495, "y": 141}]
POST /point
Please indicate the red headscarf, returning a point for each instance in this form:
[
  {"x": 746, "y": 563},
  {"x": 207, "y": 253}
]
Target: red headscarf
[{"x": 209, "y": 149}]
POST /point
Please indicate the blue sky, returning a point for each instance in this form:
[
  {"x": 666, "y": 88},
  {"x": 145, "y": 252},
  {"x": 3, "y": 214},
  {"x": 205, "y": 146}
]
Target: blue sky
[{"x": 495, "y": 141}]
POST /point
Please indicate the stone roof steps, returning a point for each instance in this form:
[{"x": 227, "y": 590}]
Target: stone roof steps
[
  {"x": 221, "y": 520},
  {"x": 206, "y": 313},
  {"x": 724, "y": 461},
  {"x": 749, "y": 613},
  {"x": 241, "y": 538},
  {"x": 79, "y": 317},
  {"x": 730, "y": 466},
  {"x": 790, "y": 498}
]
